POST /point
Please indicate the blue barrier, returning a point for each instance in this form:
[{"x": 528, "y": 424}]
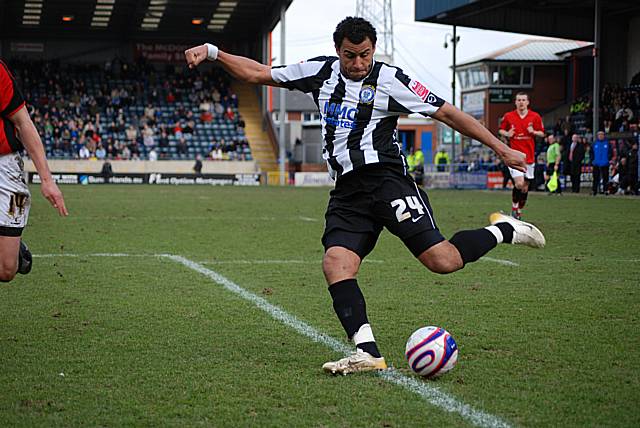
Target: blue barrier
[{"x": 468, "y": 180}]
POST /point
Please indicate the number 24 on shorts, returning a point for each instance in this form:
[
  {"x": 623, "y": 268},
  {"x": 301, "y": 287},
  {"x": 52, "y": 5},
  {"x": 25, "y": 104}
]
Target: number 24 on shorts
[{"x": 401, "y": 207}]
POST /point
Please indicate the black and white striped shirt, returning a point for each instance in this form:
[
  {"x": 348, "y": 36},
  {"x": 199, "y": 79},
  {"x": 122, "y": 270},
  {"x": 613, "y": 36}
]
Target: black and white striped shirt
[{"x": 359, "y": 118}]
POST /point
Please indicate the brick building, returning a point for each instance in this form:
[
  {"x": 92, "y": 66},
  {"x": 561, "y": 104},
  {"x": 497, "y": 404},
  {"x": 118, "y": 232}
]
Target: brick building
[{"x": 538, "y": 67}]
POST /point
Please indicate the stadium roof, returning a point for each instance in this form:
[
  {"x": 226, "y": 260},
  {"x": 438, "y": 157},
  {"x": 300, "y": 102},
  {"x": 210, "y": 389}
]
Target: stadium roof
[
  {"x": 570, "y": 19},
  {"x": 536, "y": 50},
  {"x": 162, "y": 20}
]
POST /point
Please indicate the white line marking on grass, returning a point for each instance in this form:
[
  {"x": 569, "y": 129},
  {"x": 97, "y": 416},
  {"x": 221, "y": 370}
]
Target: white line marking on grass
[
  {"x": 443, "y": 400},
  {"x": 502, "y": 262},
  {"x": 206, "y": 262},
  {"x": 271, "y": 262},
  {"x": 303, "y": 218},
  {"x": 170, "y": 219},
  {"x": 259, "y": 262},
  {"x": 261, "y": 303},
  {"x": 46, "y": 256},
  {"x": 430, "y": 393},
  {"x": 94, "y": 255}
]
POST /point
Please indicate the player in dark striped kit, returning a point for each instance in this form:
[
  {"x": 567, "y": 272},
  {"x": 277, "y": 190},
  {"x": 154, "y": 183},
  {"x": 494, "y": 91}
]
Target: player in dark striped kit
[{"x": 360, "y": 101}]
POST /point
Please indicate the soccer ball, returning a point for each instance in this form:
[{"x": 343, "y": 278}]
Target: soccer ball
[{"x": 431, "y": 351}]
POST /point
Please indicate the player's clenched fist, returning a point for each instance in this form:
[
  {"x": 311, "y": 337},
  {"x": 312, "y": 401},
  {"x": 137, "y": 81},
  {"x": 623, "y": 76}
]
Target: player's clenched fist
[
  {"x": 197, "y": 54},
  {"x": 515, "y": 159}
]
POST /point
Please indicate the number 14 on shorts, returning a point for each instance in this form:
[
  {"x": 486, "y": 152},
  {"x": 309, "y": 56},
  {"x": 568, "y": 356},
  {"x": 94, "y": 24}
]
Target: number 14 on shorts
[{"x": 401, "y": 205}]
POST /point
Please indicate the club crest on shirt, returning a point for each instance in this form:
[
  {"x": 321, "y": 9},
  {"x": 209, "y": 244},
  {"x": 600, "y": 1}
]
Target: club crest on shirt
[
  {"x": 367, "y": 94},
  {"x": 419, "y": 89}
]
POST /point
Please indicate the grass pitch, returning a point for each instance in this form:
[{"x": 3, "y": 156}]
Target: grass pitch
[{"x": 132, "y": 339}]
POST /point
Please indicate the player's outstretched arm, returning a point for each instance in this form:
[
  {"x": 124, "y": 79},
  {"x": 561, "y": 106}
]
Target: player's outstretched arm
[
  {"x": 31, "y": 141},
  {"x": 467, "y": 125},
  {"x": 242, "y": 68}
]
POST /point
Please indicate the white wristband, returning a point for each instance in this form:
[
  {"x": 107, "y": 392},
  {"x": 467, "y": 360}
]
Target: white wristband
[{"x": 212, "y": 52}]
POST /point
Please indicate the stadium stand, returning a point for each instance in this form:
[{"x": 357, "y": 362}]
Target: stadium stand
[
  {"x": 620, "y": 120},
  {"x": 122, "y": 110},
  {"x": 620, "y": 110}
]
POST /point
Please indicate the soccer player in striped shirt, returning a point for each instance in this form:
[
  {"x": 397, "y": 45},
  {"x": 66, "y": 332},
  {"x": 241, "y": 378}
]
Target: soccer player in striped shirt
[
  {"x": 360, "y": 100},
  {"x": 17, "y": 131}
]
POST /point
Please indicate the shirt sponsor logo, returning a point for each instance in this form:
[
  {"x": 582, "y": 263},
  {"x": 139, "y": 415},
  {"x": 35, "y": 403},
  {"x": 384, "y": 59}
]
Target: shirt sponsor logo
[
  {"x": 340, "y": 115},
  {"x": 419, "y": 89},
  {"x": 367, "y": 94}
]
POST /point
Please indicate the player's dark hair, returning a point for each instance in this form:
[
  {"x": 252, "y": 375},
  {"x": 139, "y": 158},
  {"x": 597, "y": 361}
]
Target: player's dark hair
[
  {"x": 523, "y": 93},
  {"x": 354, "y": 29}
]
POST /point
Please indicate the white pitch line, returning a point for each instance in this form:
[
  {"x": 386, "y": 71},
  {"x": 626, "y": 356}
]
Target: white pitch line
[
  {"x": 303, "y": 218},
  {"x": 430, "y": 393},
  {"x": 443, "y": 400},
  {"x": 260, "y": 262},
  {"x": 93, "y": 255},
  {"x": 502, "y": 262},
  {"x": 206, "y": 262},
  {"x": 261, "y": 303},
  {"x": 271, "y": 262}
]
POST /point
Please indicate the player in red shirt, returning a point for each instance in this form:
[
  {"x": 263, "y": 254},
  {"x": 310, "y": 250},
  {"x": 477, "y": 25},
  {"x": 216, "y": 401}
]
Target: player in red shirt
[
  {"x": 18, "y": 132},
  {"x": 521, "y": 126}
]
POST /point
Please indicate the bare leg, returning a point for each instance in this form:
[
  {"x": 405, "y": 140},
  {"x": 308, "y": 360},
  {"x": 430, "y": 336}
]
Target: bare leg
[
  {"x": 442, "y": 258},
  {"x": 9, "y": 248}
]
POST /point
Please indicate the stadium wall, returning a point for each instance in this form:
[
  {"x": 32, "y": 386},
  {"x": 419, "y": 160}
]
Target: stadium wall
[{"x": 146, "y": 167}]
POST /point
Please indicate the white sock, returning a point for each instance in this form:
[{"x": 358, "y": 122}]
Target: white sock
[
  {"x": 363, "y": 335},
  {"x": 496, "y": 232}
]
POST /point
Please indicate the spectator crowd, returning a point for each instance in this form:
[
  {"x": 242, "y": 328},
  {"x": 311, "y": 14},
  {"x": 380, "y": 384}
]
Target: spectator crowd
[
  {"x": 132, "y": 111},
  {"x": 122, "y": 110},
  {"x": 611, "y": 155},
  {"x": 608, "y": 159}
]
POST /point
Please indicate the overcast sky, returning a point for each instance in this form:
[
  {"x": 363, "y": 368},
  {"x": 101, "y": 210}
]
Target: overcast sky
[{"x": 419, "y": 49}]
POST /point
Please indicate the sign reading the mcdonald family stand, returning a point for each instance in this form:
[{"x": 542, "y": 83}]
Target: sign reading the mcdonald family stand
[{"x": 159, "y": 52}]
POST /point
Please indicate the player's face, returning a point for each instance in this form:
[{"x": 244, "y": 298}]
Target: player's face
[
  {"x": 356, "y": 60},
  {"x": 522, "y": 102}
]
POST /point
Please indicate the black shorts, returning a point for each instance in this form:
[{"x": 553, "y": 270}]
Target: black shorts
[{"x": 377, "y": 196}]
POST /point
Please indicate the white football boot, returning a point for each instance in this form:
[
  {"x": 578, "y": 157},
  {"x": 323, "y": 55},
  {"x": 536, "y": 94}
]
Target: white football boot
[
  {"x": 524, "y": 233},
  {"x": 360, "y": 361}
]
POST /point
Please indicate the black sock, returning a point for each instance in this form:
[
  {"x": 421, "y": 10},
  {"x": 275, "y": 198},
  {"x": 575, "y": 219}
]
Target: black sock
[
  {"x": 516, "y": 194},
  {"x": 371, "y": 348},
  {"x": 349, "y": 304},
  {"x": 507, "y": 232},
  {"x": 24, "y": 258},
  {"x": 473, "y": 244},
  {"x": 523, "y": 199}
]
